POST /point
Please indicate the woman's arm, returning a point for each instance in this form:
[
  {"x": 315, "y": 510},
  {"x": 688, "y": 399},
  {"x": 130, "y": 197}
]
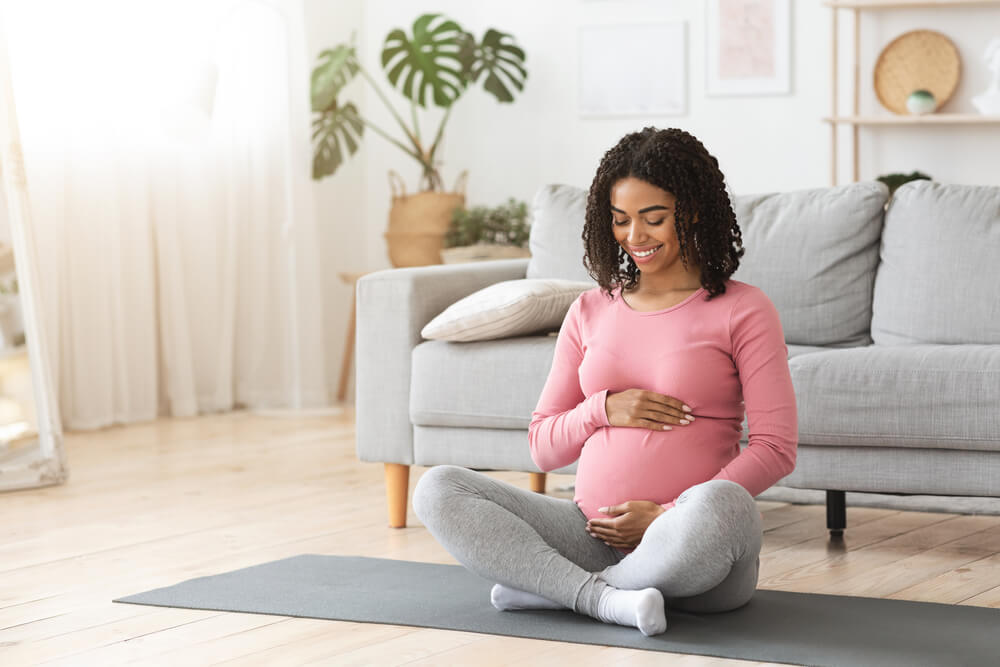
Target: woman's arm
[
  {"x": 761, "y": 357},
  {"x": 564, "y": 418}
]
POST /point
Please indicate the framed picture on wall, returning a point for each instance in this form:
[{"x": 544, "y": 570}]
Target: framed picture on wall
[
  {"x": 628, "y": 70},
  {"x": 748, "y": 47}
]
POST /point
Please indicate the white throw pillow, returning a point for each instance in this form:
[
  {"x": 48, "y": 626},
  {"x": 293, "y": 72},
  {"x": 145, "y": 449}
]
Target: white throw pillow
[{"x": 505, "y": 309}]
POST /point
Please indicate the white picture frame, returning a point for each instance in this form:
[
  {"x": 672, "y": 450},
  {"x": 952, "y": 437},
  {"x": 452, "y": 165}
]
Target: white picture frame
[
  {"x": 747, "y": 47},
  {"x": 632, "y": 69}
]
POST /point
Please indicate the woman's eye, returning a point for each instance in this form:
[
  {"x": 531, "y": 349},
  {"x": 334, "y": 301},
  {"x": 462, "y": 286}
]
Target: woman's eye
[{"x": 649, "y": 222}]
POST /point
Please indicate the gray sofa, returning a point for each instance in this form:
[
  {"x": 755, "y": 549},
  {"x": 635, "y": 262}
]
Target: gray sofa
[{"x": 891, "y": 315}]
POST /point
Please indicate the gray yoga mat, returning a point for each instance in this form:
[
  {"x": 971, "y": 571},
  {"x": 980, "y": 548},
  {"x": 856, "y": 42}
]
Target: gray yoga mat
[{"x": 775, "y": 626}]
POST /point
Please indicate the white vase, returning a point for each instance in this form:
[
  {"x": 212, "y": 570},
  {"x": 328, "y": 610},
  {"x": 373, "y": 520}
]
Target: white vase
[
  {"x": 920, "y": 102},
  {"x": 988, "y": 103}
]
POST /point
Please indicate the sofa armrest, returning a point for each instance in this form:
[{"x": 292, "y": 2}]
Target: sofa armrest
[{"x": 393, "y": 306}]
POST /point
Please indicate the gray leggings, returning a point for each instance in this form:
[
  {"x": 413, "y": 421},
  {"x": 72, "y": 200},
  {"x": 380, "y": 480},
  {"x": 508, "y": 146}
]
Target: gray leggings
[{"x": 703, "y": 554}]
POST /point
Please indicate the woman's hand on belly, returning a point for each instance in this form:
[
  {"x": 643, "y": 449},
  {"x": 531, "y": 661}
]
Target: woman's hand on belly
[
  {"x": 645, "y": 409},
  {"x": 625, "y": 530}
]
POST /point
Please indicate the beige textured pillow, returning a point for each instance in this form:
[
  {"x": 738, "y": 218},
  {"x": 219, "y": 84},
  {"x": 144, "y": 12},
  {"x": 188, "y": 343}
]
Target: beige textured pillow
[{"x": 505, "y": 309}]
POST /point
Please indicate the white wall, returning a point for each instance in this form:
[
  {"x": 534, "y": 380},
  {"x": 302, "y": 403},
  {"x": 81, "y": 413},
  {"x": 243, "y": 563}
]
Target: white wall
[
  {"x": 510, "y": 150},
  {"x": 951, "y": 154},
  {"x": 763, "y": 143},
  {"x": 766, "y": 143}
]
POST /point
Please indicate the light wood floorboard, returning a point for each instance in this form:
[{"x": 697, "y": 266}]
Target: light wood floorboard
[{"x": 153, "y": 504}]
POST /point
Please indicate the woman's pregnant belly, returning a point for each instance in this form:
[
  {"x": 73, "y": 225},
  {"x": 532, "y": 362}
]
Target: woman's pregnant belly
[{"x": 621, "y": 463}]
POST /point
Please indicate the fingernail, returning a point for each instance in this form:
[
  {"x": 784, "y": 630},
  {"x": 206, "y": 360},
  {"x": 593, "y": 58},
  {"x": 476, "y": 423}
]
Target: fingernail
[{"x": 686, "y": 408}]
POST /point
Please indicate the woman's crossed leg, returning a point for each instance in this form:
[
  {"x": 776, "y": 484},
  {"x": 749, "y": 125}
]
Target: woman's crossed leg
[
  {"x": 703, "y": 554},
  {"x": 702, "y": 557}
]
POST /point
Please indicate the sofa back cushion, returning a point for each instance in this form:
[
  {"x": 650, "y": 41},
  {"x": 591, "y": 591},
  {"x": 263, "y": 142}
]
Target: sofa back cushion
[
  {"x": 813, "y": 252},
  {"x": 556, "y": 235},
  {"x": 939, "y": 271}
]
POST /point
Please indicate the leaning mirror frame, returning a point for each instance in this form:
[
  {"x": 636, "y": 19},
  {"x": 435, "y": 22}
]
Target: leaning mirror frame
[{"x": 42, "y": 463}]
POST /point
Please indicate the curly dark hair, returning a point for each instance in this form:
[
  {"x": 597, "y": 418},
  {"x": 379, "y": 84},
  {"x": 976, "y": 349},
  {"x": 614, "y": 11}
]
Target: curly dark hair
[{"x": 677, "y": 162}]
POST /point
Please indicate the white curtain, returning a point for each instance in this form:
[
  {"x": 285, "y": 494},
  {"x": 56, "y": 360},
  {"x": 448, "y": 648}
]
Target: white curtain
[{"x": 167, "y": 150}]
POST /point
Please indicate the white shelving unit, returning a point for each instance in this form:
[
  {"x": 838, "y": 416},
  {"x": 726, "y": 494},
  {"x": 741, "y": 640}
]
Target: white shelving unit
[{"x": 856, "y": 120}]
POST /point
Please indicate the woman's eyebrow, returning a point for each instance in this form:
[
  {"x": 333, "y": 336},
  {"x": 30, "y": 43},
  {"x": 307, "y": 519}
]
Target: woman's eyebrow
[{"x": 644, "y": 210}]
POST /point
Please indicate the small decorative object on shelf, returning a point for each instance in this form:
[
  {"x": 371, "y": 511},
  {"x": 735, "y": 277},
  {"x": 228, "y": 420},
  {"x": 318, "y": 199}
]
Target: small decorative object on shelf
[
  {"x": 988, "y": 103},
  {"x": 920, "y": 102},
  {"x": 916, "y": 60}
]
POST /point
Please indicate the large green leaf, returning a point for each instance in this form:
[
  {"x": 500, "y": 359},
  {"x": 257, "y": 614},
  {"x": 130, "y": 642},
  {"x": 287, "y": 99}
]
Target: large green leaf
[
  {"x": 497, "y": 55},
  {"x": 328, "y": 128},
  {"x": 432, "y": 55},
  {"x": 338, "y": 67}
]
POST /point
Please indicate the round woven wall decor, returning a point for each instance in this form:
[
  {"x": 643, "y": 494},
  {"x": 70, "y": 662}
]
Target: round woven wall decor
[{"x": 918, "y": 59}]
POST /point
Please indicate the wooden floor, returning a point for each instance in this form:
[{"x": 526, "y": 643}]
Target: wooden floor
[{"x": 151, "y": 505}]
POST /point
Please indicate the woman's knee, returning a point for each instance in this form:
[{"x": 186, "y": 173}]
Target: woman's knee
[
  {"x": 731, "y": 504},
  {"x": 436, "y": 483},
  {"x": 726, "y": 494}
]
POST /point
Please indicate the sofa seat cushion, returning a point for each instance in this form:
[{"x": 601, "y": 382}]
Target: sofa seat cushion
[
  {"x": 925, "y": 396},
  {"x": 482, "y": 384},
  {"x": 922, "y": 396}
]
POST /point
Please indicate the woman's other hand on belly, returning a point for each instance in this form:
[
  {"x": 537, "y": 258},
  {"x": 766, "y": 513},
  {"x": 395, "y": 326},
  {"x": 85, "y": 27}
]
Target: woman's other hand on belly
[{"x": 628, "y": 525}]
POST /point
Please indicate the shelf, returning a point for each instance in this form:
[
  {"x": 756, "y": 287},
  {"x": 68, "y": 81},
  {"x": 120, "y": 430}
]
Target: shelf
[
  {"x": 901, "y": 4},
  {"x": 853, "y": 118},
  {"x": 929, "y": 119}
]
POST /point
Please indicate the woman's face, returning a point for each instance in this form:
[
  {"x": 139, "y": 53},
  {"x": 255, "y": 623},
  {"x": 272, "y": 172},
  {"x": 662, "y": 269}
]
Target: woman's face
[{"x": 642, "y": 219}]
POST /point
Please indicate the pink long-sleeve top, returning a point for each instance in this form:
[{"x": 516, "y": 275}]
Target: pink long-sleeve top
[{"x": 717, "y": 357}]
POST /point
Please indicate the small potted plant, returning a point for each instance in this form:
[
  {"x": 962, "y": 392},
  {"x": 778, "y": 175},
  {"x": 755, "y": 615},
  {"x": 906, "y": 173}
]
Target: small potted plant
[
  {"x": 484, "y": 232},
  {"x": 895, "y": 180}
]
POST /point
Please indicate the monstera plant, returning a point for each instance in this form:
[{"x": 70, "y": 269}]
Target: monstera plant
[{"x": 435, "y": 64}]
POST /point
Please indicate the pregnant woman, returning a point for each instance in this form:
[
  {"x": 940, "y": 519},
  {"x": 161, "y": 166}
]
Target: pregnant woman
[{"x": 651, "y": 374}]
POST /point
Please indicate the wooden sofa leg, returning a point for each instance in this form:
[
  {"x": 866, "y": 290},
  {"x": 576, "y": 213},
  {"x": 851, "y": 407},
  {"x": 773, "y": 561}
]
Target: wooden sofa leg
[
  {"x": 537, "y": 481},
  {"x": 397, "y": 485},
  {"x": 836, "y": 514}
]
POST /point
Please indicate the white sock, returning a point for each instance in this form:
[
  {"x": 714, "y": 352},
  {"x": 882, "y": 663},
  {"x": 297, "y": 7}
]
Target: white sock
[
  {"x": 640, "y": 609},
  {"x": 504, "y": 598}
]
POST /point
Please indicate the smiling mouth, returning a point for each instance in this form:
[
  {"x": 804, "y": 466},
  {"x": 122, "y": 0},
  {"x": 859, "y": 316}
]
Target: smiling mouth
[{"x": 647, "y": 253}]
